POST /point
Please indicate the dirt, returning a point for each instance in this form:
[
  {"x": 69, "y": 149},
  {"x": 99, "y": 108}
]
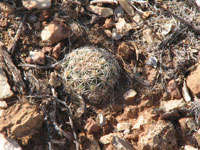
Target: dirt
[{"x": 157, "y": 54}]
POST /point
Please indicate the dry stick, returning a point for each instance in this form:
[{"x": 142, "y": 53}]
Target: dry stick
[
  {"x": 70, "y": 118},
  {"x": 195, "y": 29},
  {"x": 12, "y": 68},
  {"x": 17, "y": 35}
]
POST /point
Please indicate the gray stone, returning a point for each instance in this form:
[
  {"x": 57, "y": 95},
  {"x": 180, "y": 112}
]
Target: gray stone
[
  {"x": 4, "y": 86},
  {"x": 121, "y": 144}
]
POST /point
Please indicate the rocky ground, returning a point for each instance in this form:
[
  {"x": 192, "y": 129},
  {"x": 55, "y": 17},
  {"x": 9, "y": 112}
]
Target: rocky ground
[{"x": 154, "y": 106}]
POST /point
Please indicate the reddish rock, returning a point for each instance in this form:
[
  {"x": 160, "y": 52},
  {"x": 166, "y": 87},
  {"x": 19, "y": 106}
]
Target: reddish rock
[
  {"x": 57, "y": 51},
  {"x": 91, "y": 126},
  {"x": 173, "y": 90},
  {"x": 193, "y": 81},
  {"x": 187, "y": 124},
  {"x": 55, "y": 31},
  {"x": 131, "y": 112},
  {"x": 36, "y": 57},
  {"x": 124, "y": 50},
  {"x": 108, "y": 23}
]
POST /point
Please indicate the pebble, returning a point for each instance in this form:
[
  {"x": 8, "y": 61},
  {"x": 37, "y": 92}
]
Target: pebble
[
  {"x": 8, "y": 143},
  {"x": 3, "y": 105},
  {"x": 101, "y": 119},
  {"x": 57, "y": 51},
  {"x": 123, "y": 126},
  {"x": 4, "y": 86},
  {"x": 193, "y": 81},
  {"x": 55, "y": 31},
  {"x": 36, "y": 57},
  {"x": 124, "y": 50},
  {"x": 101, "y": 11},
  {"x": 38, "y": 4},
  {"x": 108, "y": 23},
  {"x": 119, "y": 12},
  {"x": 129, "y": 95},
  {"x": 121, "y": 144}
]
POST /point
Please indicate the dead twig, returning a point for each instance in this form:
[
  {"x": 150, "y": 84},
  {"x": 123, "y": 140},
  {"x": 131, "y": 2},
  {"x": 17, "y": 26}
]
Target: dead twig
[
  {"x": 70, "y": 117},
  {"x": 12, "y": 68},
  {"x": 17, "y": 35}
]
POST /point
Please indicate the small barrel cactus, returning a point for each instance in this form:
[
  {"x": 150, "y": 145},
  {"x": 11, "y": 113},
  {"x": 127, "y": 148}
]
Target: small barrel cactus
[{"x": 91, "y": 72}]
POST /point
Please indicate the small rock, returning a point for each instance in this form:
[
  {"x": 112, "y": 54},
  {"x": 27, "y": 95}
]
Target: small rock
[
  {"x": 158, "y": 136},
  {"x": 5, "y": 87},
  {"x": 116, "y": 36},
  {"x": 129, "y": 95},
  {"x": 172, "y": 88},
  {"x": 172, "y": 108},
  {"x": 38, "y": 4},
  {"x": 127, "y": 7},
  {"x": 123, "y": 126},
  {"x": 21, "y": 120},
  {"x": 54, "y": 81},
  {"x": 124, "y": 50},
  {"x": 101, "y": 119},
  {"x": 108, "y": 23},
  {"x": 101, "y": 11},
  {"x": 8, "y": 143},
  {"x": 3, "y": 105},
  {"x": 188, "y": 125},
  {"x": 189, "y": 147},
  {"x": 193, "y": 81},
  {"x": 91, "y": 126},
  {"x": 55, "y": 32},
  {"x": 121, "y": 144},
  {"x": 36, "y": 57},
  {"x": 107, "y": 139},
  {"x": 57, "y": 51}
]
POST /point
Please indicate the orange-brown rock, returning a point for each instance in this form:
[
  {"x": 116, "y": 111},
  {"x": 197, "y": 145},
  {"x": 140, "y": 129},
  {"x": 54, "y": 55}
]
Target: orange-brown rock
[
  {"x": 21, "y": 120},
  {"x": 193, "y": 81}
]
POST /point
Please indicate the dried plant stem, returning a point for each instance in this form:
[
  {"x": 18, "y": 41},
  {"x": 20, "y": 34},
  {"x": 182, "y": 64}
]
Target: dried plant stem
[{"x": 70, "y": 118}]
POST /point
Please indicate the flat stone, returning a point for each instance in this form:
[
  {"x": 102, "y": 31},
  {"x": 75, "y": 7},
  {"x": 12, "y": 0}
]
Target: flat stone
[
  {"x": 172, "y": 108},
  {"x": 159, "y": 136},
  {"x": 193, "y": 81},
  {"x": 8, "y": 143},
  {"x": 101, "y": 11},
  {"x": 4, "y": 86},
  {"x": 127, "y": 7},
  {"x": 121, "y": 144},
  {"x": 56, "y": 31},
  {"x": 129, "y": 95},
  {"x": 3, "y": 105},
  {"x": 38, "y": 4},
  {"x": 123, "y": 126},
  {"x": 21, "y": 120}
]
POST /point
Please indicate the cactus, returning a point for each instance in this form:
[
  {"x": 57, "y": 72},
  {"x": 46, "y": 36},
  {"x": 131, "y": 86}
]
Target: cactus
[{"x": 91, "y": 72}]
